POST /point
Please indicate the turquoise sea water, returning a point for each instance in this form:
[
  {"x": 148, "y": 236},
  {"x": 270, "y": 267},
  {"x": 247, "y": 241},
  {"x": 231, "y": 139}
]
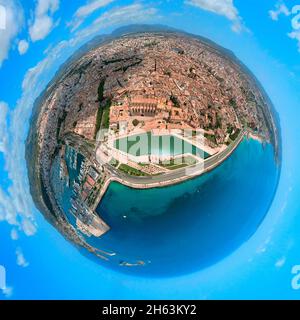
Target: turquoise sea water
[
  {"x": 186, "y": 227},
  {"x": 189, "y": 226}
]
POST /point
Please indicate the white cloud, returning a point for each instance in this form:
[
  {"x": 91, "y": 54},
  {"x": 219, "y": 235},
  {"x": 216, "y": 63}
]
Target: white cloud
[
  {"x": 296, "y": 36},
  {"x": 224, "y": 8},
  {"x": 14, "y": 234},
  {"x": 21, "y": 261},
  {"x": 134, "y": 13},
  {"x": 2, "y": 17},
  {"x": 296, "y": 19},
  {"x": 280, "y": 263},
  {"x": 91, "y": 6},
  {"x": 15, "y": 203},
  {"x": 11, "y": 24},
  {"x": 8, "y": 291},
  {"x": 280, "y": 8},
  {"x": 28, "y": 227},
  {"x": 3, "y": 125},
  {"x": 23, "y": 46},
  {"x": 11, "y": 209},
  {"x": 84, "y": 11},
  {"x": 43, "y": 21}
]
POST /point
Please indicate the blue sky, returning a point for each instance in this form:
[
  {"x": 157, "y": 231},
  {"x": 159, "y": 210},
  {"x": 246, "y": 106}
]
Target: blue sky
[{"x": 37, "y": 37}]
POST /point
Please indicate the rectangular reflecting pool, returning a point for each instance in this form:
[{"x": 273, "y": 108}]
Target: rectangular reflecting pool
[{"x": 157, "y": 145}]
